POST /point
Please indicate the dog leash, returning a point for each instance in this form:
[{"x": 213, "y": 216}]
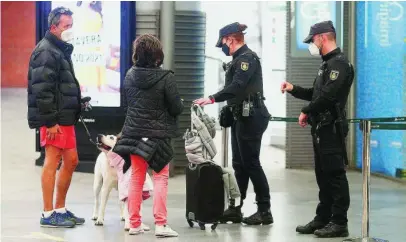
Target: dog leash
[
  {"x": 87, "y": 130},
  {"x": 87, "y": 107}
]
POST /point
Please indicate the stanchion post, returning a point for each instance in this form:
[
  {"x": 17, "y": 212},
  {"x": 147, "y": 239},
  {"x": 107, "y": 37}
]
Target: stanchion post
[
  {"x": 225, "y": 146},
  {"x": 366, "y": 178}
]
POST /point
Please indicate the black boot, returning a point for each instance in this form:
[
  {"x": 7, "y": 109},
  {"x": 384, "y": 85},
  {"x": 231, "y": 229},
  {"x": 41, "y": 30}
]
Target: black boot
[
  {"x": 332, "y": 230},
  {"x": 232, "y": 214},
  {"x": 259, "y": 218},
  {"x": 310, "y": 227}
]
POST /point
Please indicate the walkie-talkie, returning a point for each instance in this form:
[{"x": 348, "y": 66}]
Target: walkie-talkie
[{"x": 246, "y": 108}]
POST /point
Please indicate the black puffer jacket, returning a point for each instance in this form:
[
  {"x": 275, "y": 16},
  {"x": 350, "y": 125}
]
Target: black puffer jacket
[
  {"x": 153, "y": 107},
  {"x": 53, "y": 91},
  {"x": 153, "y": 103}
]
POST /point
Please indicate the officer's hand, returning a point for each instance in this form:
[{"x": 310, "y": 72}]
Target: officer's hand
[
  {"x": 203, "y": 101},
  {"x": 286, "y": 87},
  {"x": 303, "y": 120}
]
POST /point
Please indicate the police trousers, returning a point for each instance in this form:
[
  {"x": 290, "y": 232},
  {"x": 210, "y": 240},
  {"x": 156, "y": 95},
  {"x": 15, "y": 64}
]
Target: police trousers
[
  {"x": 334, "y": 196},
  {"x": 246, "y": 137}
]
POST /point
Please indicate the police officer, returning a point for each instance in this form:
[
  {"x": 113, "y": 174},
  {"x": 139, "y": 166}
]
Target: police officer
[
  {"x": 243, "y": 92},
  {"x": 324, "y": 113}
]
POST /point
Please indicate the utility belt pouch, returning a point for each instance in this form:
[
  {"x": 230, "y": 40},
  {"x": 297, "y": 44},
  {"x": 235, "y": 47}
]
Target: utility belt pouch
[
  {"x": 226, "y": 117},
  {"x": 246, "y": 107}
]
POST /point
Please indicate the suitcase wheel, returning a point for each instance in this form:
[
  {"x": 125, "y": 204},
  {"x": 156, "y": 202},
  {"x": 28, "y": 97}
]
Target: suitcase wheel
[
  {"x": 190, "y": 223},
  {"x": 214, "y": 226},
  {"x": 202, "y": 227}
]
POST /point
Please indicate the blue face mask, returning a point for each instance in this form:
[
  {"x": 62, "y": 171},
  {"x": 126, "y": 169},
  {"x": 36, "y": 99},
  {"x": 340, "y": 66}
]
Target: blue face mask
[{"x": 226, "y": 50}]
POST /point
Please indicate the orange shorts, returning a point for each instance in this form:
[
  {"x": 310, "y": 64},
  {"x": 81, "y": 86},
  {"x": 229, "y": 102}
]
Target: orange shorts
[{"x": 65, "y": 140}]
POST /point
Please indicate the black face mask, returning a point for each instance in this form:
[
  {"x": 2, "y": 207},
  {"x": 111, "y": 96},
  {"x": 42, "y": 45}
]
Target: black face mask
[{"x": 225, "y": 49}]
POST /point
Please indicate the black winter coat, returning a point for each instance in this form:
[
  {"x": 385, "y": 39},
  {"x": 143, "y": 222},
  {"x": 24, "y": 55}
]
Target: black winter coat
[
  {"x": 53, "y": 91},
  {"x": 153, "y": 107}
]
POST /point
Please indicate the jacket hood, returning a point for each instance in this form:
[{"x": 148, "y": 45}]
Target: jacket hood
[{"x": 145, "y": 78}]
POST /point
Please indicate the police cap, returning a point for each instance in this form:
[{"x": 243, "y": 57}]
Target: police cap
[
  {"x": 319, "y": 28},
  {"x": 229, "y": 29}
]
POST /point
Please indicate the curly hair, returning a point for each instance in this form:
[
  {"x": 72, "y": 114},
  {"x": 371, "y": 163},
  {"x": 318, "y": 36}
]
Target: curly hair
[{"x": 147, "y": 52}]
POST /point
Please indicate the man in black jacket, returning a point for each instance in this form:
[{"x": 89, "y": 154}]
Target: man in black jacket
[{"x": 53, "y": 107}]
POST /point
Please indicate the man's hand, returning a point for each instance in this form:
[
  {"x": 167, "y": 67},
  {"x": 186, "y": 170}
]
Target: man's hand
[
  {"x": 303, "y": 120},
  {"x": 85, "y": 103},
  {"x": 286, "y": 87},
  {"x": 53, "y": 131},
  {"x": 203, "y": 101}
]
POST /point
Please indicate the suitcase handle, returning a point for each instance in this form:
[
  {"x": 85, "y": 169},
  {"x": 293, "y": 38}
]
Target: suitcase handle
[{"x": 192, "y": 166}]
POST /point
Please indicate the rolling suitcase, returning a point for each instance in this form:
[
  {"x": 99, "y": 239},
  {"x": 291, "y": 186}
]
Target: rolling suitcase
[{"x": 204, "y": 194}]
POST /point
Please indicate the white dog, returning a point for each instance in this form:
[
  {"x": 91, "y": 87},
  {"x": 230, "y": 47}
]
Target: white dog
[{"x": 108, "y": 174}]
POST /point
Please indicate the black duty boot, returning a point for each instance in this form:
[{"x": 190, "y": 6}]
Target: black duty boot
[
  {"x": 332, "y": 230},
  {"x": 310, "y": 227},
  {"x": 259, "y": 218},
  {"x": 232, "y": 214}
]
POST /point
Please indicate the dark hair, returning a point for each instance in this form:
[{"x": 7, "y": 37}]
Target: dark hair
[
  {"x": 239, "y": 36},
  {"x": 147, "y": 51},
  {"x": 54, "y": 16}
]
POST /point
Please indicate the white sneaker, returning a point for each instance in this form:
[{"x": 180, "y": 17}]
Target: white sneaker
[
  {"x": 145, "y": 227},
  {"x": 165, "y": 231},
  {"x": 135, "y": 231}
]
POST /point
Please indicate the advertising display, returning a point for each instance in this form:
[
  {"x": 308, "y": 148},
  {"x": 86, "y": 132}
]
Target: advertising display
[
  {"x": 307, "y": 13},
  {"x": 96, "y": 56},
  {"x": 381, "y": 80}
]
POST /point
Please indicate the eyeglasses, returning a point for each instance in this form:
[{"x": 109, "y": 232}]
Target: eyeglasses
[{"x": 60, "y": 11}]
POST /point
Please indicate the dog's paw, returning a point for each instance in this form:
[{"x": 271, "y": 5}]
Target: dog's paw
[
  {"x": 94, "y": 218},
  {"x": 98, "y": 223}
]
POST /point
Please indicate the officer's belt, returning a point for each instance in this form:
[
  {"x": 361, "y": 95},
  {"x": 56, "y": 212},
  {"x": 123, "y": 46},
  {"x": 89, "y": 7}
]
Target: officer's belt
[
  {"x": 323, "y": 119},
  {"x": 255, "y": 100}
]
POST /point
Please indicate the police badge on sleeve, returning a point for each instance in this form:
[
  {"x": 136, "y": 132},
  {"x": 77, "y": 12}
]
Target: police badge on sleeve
[
  {"x": 334, "y": 75},
  {"x": 245, "y": 66}
]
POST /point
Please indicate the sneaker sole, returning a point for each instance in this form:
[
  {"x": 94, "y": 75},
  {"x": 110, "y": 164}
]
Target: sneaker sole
[
  {"x": 166, "y": 235},
  {"x": 56, "y": 226},
  {"x": 136, "y": 233}
]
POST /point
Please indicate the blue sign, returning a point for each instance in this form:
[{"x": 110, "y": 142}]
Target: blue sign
[
  {"x": 309, "y": 13},
  {"x": 381, "y": 79}
]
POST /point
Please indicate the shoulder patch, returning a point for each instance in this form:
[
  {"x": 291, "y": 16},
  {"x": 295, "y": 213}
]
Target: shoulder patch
[
  {"x": 245, "y": 66},
  {"x": 334, "y": 75}
]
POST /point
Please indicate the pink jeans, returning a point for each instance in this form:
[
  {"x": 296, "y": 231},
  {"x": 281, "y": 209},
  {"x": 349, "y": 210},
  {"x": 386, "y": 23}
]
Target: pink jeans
[{"x": 139, "y": 169}]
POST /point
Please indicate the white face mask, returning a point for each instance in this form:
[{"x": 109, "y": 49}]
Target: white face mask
[
  {"x": 314, "y": 50},
  {"x": 67, "y": 35}
]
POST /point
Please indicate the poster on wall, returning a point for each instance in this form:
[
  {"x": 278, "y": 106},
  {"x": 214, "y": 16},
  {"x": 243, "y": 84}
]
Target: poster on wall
[
  {"x": 96, "y": 55},
  {"x": 307, "y": 13},
  {"x": 381, "y": 80}
]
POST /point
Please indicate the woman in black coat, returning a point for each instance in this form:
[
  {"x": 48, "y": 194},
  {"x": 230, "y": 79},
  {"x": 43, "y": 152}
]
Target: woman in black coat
[{"x": 153, "y": 105}]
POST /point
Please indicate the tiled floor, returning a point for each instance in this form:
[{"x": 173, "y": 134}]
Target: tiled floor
[{"x": 294, "y": 198}]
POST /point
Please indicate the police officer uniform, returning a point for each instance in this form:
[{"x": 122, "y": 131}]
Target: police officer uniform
[
  {"x": 243, "y": 92},
  {"x": 328, "y": 98}
]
